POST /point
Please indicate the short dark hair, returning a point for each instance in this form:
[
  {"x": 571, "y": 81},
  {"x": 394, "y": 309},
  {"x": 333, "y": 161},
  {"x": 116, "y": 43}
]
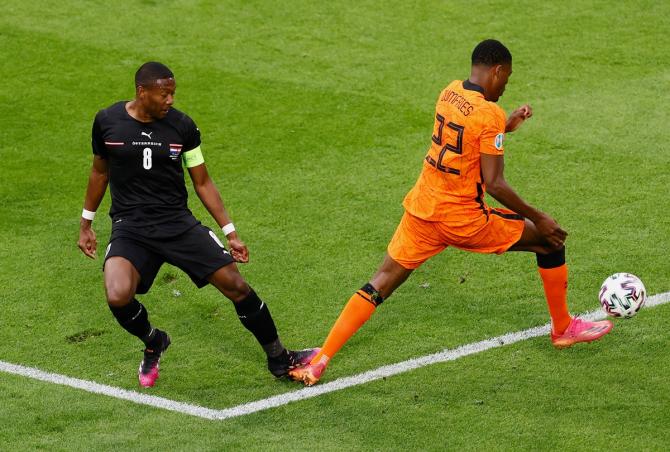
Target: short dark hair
[
  {"x": 490, "y": 53},
  {"x": 151, "y": 71}
]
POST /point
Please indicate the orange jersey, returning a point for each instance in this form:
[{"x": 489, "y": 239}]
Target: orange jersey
[{"x": 450, "y": 187}]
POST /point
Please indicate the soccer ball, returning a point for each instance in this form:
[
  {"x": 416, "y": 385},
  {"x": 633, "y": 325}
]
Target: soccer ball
[{"x": 622, "y": 295}]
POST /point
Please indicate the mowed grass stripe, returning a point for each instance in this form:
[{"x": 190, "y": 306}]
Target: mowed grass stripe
[{"x": 305, "y": 393}]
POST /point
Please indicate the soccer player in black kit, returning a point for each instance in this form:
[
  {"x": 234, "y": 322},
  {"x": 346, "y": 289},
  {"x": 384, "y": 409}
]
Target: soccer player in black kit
[{"x": 139, "y": 148}]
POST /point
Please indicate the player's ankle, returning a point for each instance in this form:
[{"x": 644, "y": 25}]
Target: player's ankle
[{"x": 558, "y": 328}]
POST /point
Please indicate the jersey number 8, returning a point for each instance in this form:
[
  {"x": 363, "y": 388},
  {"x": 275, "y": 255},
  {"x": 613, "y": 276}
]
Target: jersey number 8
[{"x": 146, "y": 161}]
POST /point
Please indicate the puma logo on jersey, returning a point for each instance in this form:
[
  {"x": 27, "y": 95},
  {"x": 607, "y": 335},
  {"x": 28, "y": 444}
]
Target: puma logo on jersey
[{"x": 148, "y": 135}]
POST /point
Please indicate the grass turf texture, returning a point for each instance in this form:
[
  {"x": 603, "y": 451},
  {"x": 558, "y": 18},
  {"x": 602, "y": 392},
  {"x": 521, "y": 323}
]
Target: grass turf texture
[{"x": 315, "y": 119}]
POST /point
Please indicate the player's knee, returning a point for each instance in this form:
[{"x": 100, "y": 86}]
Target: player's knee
[
  {"x": 230, "y": 283},
  {"x": 236, "y": 289},
  {"x": 241, "y": 288},
  {"x": 119, "y": 293}
]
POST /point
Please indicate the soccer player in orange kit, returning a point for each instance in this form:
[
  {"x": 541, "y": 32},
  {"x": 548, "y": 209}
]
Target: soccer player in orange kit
[{"x": 446, "y": 207}]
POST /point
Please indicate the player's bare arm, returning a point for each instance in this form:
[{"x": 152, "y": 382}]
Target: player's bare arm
[
  {"x": 493, "y": 173},
  {"x": 517, "y": 117},
  {"x": 97, "y": 185},
  {"x": 211, "y": 199}
]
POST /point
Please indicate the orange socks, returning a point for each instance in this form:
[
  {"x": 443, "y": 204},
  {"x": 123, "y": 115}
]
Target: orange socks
[
  {"x": 356, "y": 312},
  {"x": 555, "y": 281},
  {"x": 362, "y": 304}
]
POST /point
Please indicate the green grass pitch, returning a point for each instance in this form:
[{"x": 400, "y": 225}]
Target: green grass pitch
[{"x": 315, "y": 117}]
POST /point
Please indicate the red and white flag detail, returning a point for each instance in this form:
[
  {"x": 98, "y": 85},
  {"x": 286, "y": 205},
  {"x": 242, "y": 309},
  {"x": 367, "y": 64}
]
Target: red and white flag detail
[{"x": 175, "y": 151}]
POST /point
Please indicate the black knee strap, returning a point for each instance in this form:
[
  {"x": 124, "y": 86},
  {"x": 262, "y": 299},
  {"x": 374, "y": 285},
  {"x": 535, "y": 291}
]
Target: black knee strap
[
  {"x": 373, "y": 294},
  {"x": 551, "y": 260}
]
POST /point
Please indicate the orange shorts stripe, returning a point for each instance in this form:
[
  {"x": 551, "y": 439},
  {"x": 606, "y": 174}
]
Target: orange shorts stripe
[{"x": 416, "y": 240}]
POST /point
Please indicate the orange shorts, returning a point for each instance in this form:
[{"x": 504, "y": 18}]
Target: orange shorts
[{"x": 416, "y": 240}]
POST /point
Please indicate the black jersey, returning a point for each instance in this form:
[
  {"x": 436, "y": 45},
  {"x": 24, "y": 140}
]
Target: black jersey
[{"x": 146, "y": 176}]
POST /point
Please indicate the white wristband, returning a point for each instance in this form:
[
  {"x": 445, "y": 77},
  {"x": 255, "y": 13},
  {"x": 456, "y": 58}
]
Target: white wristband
[
  {"x": 227, "y": 229},
  {"x": 87, "y": 215}
]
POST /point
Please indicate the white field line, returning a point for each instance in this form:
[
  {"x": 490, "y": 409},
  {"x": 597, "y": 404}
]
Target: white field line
[{"x": 305, "y": 393}]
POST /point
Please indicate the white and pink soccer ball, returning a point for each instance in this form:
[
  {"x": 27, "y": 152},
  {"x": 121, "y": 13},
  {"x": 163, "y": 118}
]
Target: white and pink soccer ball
[{"x": 622, "y": 295}]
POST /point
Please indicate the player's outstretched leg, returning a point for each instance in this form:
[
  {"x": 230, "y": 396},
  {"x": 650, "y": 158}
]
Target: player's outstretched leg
[
  {"x": 356, "y": 312},
  {"x": 566, "y": 330},
  {"x": 390, "y": 275},
  {"x": 255, "y": 316}
]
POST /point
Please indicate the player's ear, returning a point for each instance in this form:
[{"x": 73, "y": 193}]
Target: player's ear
[{"x": 497, "y": 69}]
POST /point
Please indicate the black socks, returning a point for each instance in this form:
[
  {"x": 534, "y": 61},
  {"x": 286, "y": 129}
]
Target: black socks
[
  {"x": 134, "y": 318},
  {"x": 253, "y": 313},
  {"x": 255, "y": 316}
]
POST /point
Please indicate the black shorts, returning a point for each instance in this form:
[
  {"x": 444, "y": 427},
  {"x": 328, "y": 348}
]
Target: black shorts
[{"x": 198, "y": 252}]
